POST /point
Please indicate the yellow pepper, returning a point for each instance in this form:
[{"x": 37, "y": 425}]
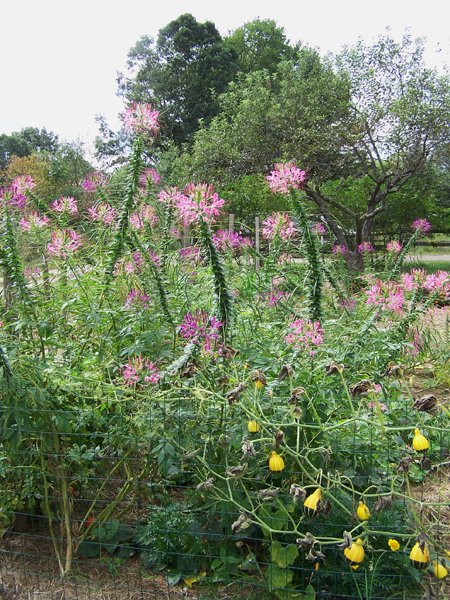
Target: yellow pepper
[{"x": 253, "y": 427}]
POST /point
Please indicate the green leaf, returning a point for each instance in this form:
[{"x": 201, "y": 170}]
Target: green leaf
[
  {"x": 283, "y": 556},
  {"x": 278, "y": 578}
]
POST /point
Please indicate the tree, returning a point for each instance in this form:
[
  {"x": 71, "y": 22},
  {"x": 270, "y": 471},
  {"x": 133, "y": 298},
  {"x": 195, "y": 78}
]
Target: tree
[
  {"x": 260, "y": 44},
  {"x": 371, "y": 120},
  {"x": 181, "y": 74},
  {"x": 25, "y": 142}
]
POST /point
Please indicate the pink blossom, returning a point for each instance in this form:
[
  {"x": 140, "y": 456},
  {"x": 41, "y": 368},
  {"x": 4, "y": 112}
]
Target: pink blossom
[
  {"x": 394, "y": 246},
  {"x": 319, "y": 228},
  {"x": 201, "y": 328},
  {"x": 389, "y": 296},
  {"x": 139, "y": 370},
  {"x": 438, "y": 282},
  {"x": 170, "y": 196},
  {"x": 146, "y": 215},
  {"x": 64, "y": 242},
  {"x": 413, "y": 280},
  {"x": 102, "y": 213},
  {"x": 229, "y": 240},
  {"x": 198, "y": 201},
  {"x": 374, "y": 404},
  {"x": 275, "y": 296},
  {"x": 141, "y": 118},
  {"x": 33, "y": 220},
  {"x": 65, "y": 204},
  {"x": 137, "y": 298},
  {"x": 147, "y": 175},
  {"x": 191, "y": 253},
  {"x": 349, "y": 304},
  {"x": 365, "y": 247},
  {"x": 286, "y": 176},
  {"x": 156, "y": 260},
  {"x": 32, "y": 272},
  {"x": 339, "y": 249},
  {"x": 93, "y": 181},
  {"x": 278, "y": 224},
  {"x": 305, "y": 334},
  {"x": 15, "y": 195},
  {"x": 421, "y": 225}
]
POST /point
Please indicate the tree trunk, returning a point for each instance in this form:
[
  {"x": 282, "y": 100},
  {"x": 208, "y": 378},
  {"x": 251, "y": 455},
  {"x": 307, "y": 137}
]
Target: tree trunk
[{"x": 354, "y": 260}]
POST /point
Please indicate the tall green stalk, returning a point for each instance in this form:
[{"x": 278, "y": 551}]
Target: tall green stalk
[
  {"x": 313, "y": 257},
  {"x": 222, "y": 294},
  {"x": 134, "y": 170}
]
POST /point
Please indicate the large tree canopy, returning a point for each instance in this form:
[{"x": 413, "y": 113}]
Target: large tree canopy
[
  {"x": 181, "y": 73},
  {"x": 376, "y": 114},
  {"x": 25, "y": 142}
]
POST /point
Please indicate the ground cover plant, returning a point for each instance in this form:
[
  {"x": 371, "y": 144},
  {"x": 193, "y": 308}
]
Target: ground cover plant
[{"x": 224, "y": 415}]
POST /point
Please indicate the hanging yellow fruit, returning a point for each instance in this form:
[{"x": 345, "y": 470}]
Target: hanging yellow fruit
[
  {"x": 259, "y": 384},
  {"x": 420, "y": 442},
  {"x": 419, "y": 555},
  {"x": 439, "y": 570},
  {"x": 253, "y": 427},
  {"x": 276, "y": 462},
  {"x": 363, "y": 512},
  {"x": 355, "y": 554},
  {"x": 312, "y": 501}
]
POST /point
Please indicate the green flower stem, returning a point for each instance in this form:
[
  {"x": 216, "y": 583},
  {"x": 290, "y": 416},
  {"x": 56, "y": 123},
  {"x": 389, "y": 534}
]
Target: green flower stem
[
  {"x": 134, "y": 170},
  {"x": 313, "y": 258}
]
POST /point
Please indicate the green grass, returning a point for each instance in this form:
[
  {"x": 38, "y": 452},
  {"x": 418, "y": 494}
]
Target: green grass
[{"x": 430, "y": 266}]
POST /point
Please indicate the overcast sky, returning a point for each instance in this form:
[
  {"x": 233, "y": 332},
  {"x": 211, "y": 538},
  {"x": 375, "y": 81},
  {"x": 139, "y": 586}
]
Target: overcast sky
[{"x": 59, "y": 58}]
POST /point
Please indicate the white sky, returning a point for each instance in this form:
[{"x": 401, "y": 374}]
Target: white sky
[{"x": 59, "y": 58}]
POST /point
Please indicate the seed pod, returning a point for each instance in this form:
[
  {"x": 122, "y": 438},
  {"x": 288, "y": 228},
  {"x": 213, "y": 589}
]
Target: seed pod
[
  {"x": 285, "y": 371},
  {"x": 428, "y": 404},
  {"x": 334, "y": 368},
  {"x": 235, "y": 393},
  {"x": 361, "y": 388},
  {"x": 279, "y": 435}
]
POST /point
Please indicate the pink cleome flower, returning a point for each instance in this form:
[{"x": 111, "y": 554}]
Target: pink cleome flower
[
  {"x": 171, "y": 196},
  {"x": 65, "y": 204},
  {"x": 439, "y": 283},
  {"x": 394, "y": 247},
  {"x": 275, "y": 296},
  {"x": 137, "y": 298},
  {"x": 201, "y": 328},
  {"x": 339, "y": 249},
  {"x": 15, "y": 194},
  {"x": 305, "y": 334},
  {"x": 319, "y": 228},
  {"x": 102, "y": 213},
  {"x": 141, "y": 118},
  {"x": 365, "y": 247},
  {"x": 388, "y": 296},
  {"x": 93, "y": 181},
  {"x": 286, "y": 176},
  {"x": 139, "y": 370},
  {"x": 421, "y": 225},
  {"x": 413, "y": 280},
  {"x": 199, "y": 201},
  {"x": 64, "y": 242},
  {"x": 149, "y": 175},
  {"x": 229, "y": 240},
  {"x": 191, "y": 253},
  {"x": 33, "y": 220},
  {"x": 146, "y": 215},
  {"x": 278, "y": 224}
]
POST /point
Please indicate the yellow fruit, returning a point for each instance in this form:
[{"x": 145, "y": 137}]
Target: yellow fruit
[
  {"x": 311, "y": 502},
  {"x": 363, "y": 512},
  {"x": 276, "y": 463},
  {"x": 355, "y": 554},
  {"x": 252, "y": 427},
  {"x": 259, "y": 384},
  {"x": 419, "y": 556},
  {"x": 420, "y": 442},
  {"x": 439, "y": 570},
  {"x": 393, "y": 545}
]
